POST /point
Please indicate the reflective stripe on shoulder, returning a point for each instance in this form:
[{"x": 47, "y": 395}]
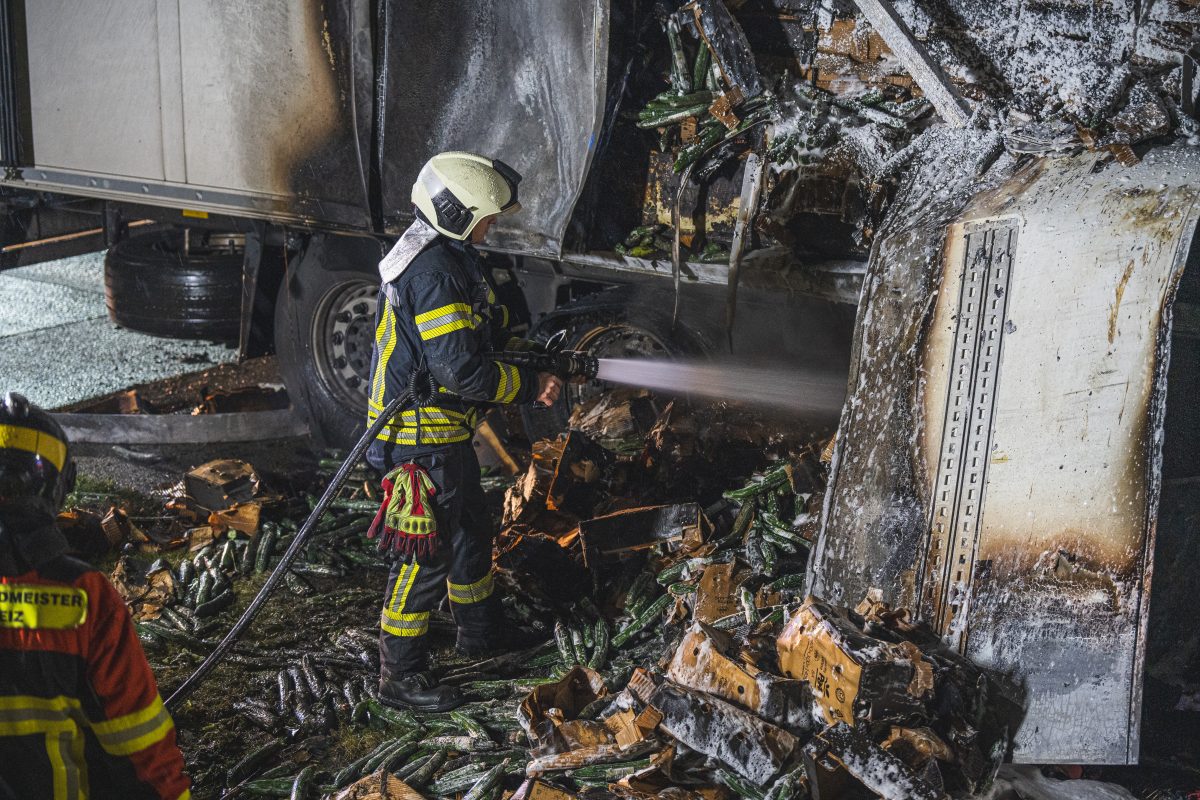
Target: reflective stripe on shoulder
[
  {"x": 40, "y": 607},
  {"x": 440, "y": 321}
]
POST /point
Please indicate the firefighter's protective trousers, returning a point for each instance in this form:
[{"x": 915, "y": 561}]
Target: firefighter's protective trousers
[
  {"x": 461, "y": 566},
  {"x": 80, "y": 714},
  {"x": 441, "y": 313}
]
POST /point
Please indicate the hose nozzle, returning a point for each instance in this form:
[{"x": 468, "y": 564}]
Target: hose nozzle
[{"x": 566, "y": 364}]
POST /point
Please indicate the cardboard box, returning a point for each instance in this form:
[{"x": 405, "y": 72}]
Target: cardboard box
[{"x": 853, "y": 676}]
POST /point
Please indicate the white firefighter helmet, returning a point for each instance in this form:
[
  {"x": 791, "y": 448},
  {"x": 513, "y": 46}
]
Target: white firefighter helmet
[{"x": 455, "y": 190}]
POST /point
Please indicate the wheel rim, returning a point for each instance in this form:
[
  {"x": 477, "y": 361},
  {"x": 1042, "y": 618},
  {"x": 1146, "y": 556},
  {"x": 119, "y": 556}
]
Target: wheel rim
[
  {"x": 613, "y": 341},
  {"x": 343, "y": 339}
]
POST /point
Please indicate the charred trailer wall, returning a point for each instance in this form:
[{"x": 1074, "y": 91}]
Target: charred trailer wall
[
  {"x": 520, "y": 81},
  {"x": 999, "y": 460},
  {"x": 220, "y": 107}
]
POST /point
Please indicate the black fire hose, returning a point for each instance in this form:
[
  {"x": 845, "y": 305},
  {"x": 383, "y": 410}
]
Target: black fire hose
[{"x": 391, "y": 410}]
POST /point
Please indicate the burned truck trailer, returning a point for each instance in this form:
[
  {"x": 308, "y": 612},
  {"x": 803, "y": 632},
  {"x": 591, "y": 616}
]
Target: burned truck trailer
[
  {"x": 284, "y": 137},
  {"x": 1019, "y": 206}
]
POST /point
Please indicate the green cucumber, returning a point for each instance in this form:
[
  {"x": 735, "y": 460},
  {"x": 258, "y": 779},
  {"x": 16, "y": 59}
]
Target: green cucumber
[
  {"x": 577, "y": 647},
  {"x": 600, "y": 653},
  {"x": 796, "y": 580},
  {"x": 483, "y": 787},
  {"x": 397, "y": 719},
  {"x": 780, "y": 543},
  {"x": 700, "y": 66},
  {"x": 681, "y": 76},
  {"x": 691, "y": 153},
  {"x": 644, "y": 620},
  {"x": 252, "y": 761},
  {"x": 460, "y": 780},
  {"x": 681, "y": 589},
  {"x": 422, "y": 776},
  {"x": 562, "y": 638},
  {"x": 770, "y": 557},
  {"x": 780, "y": 528},
  {"x": 771, "y": 480},
  {"x": 469, "y": 725},
  {"x": 265, "y": 546},
  {"x": 355, "y": 505},
  {"x": 738, "y": 785},
  {"x": 746, "y": 598},
  {"x": 302, "y": 785},
  {"x": 269, "y": 787},
  {"x": 671, "y": 573},
  {"x": 609, "y": 772}
]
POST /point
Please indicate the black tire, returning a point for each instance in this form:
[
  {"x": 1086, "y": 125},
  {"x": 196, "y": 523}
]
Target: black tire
[
  {"x": 331, "y": 278},
  {"x": 602, "y": 321},
  {"x": 152, "y": 286}
]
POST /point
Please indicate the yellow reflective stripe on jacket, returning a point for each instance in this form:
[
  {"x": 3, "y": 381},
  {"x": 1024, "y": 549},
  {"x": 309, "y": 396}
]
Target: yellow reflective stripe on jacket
[
  {"x": 60, "y": 720},
  {"x": 465, "y": 593},
  {"x": 409, "y": 436},
  {"x": 440, "y": 321},
  {"x": 24, "y": 714},
  {"x": 429, "y": 414},
  {"x": 385, "y": 343},
  {"x": 437, "y": 425},
  {"x": 37, "y": 607},
  {"x": 122, "y": 736},
  {"x": 509, "y": 384},
  {"x": 40, "y": 443}
]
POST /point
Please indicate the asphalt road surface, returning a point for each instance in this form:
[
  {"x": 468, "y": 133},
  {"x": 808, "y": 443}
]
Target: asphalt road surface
[{"x": 57, "y": 345}]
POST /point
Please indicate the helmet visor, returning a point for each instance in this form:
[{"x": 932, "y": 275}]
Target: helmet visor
[{"x": 513, "y": 179}]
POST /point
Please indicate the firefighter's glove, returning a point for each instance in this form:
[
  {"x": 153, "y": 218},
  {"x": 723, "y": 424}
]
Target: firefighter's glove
[{"x": 405, "y": 522}]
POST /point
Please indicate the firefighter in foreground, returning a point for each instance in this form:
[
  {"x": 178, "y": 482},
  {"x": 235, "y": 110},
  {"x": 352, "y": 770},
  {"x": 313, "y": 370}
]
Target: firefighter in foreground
[
  {"x": 438, "y": 321},
  {"x": 80, "y": 714}
]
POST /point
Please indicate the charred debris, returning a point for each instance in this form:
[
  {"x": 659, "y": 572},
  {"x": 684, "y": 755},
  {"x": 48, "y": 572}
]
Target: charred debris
[
  {"x": 772, "y": 135},
  {"x": 682, "y": 658}
]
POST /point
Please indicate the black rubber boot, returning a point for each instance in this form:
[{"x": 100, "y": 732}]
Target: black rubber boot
[
  {"x": 484, "y": 632},
  {"x": 419, "y": 692}
]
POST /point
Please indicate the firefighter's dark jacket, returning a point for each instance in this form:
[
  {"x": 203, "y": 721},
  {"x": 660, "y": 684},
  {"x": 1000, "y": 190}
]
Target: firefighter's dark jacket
[
  {"x": 80, "y": 713},
  {"x": 443, "y": 310}
]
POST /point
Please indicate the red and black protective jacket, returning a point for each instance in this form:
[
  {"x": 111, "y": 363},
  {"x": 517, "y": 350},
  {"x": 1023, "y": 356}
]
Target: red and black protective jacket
[{"x": 80, "y": 713}]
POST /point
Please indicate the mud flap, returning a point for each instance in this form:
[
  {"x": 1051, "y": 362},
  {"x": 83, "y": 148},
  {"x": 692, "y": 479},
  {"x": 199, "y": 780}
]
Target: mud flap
[{"x": 999, "y": 460}]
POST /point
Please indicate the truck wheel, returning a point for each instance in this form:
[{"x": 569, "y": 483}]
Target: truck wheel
[
  {"x": 153, "y": 284},
  {"x": 606, "y": 332},
  {"x": 324, "y": 335}
]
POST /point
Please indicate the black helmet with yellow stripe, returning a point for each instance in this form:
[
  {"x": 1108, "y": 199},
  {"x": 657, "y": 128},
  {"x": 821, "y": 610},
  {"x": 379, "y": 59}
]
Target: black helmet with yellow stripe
[{"x": 36, "y": 470}]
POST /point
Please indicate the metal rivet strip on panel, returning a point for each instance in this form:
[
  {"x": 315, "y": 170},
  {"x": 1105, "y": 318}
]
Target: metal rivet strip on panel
[{"x": 967, "y": 428}]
